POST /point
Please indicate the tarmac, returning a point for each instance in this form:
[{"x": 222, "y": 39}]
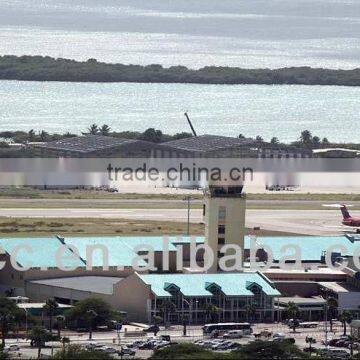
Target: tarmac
[{"x": 308, "y": 222}]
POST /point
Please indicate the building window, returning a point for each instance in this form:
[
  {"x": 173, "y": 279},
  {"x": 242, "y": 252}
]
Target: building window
[
  {"x": 222, "y": 213},
  {"x": 221, "y": 229},
  {"x": 221, "y": 241}
]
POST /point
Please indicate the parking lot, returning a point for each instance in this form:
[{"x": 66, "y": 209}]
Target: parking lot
[{"x": 110, "y": 342}]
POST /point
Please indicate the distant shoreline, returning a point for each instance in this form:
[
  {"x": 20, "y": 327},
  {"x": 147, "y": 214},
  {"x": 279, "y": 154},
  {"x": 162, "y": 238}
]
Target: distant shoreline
[{"x": 39, "y": 68}]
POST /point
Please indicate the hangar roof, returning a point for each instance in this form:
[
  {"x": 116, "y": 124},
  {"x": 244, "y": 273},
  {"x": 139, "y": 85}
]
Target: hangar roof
[
  {"x": 39, "y": 252},
  {"x": 95, "y": 284},
  {"x": 86, "y": 144},
  {"x": 205, "y": 143}
]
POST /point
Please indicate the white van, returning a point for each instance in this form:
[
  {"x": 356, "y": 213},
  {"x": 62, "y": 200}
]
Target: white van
[{"x": 234, "y": 334}]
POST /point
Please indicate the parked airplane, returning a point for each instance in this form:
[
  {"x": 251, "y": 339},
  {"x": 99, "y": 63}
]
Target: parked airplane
[{"x": 348, "y": 220}]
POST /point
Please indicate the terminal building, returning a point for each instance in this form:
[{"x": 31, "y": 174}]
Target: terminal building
[
  {"x": 165, "y": 290},
  {"x": 142, "y": 294}
]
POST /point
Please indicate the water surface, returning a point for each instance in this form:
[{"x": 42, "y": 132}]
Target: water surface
[
  {"x": 282, "y": 110},
  {"x": 195, "y": 33}
]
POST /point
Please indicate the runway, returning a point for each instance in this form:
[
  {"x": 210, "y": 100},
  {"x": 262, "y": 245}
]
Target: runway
[{"x": 309, "y": 222}]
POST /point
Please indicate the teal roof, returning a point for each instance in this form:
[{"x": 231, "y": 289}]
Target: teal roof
[
  {"x": 119, "y": 252},
  {"x": 312, "y": 247},
  {"x": 43, "y": 252},
  {"x": 120, "y": 248},
  {"x": 232, "y": 284}
]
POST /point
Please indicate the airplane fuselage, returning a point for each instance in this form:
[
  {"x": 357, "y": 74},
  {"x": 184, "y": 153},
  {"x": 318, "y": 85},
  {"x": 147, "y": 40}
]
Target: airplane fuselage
[{"x": 354, "y": 222}]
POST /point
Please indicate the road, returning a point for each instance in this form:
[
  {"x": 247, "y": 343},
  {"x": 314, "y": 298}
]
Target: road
[
  {"x": 309, "y": 222},
  {"x": 19, "y": 202}
]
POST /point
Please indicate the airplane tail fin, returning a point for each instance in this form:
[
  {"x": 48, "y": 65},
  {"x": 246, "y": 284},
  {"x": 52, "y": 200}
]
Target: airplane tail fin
[{"x": 345, "y": 212}]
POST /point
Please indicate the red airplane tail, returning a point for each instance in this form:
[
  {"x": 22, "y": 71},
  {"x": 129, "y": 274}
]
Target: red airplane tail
[{"x": 345, "y": 212}]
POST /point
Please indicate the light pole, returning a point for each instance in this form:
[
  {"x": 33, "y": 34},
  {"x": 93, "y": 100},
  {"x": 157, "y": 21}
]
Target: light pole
[
  {"x": 188, "y": 199},
  {"x": 326, "y": 318},
  {"x": 26, "y": 321},
  {"x": 91, "y": 314}
]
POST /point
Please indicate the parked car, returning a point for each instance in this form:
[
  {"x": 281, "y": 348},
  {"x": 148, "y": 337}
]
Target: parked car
[
  {"x": 107, "y": 349},
  {"x": 234, "y": 334},
  {"x": 160, "y": 344},
  {"x": 221, "y": 346},
  {"x": 308, "y": 324},
  {"x": 279, "y": 336},
  {"x": 152, "y": 329},
  {"x": 93, "y": 346},
  {"x": 334, "y": 353},
  {"x": 233, "y": 345},
  {"x": 290, "y": 340},
  {"x": 210, "y": 343},
  {"x": 264, "y": 333},
  {"x": 165, "y": 337},
  {"x": 127, "y": 351},
  {"x": 137, "y": 343},
  {"x": 149, "y": 345},
  {"x": 12, "y": 347}
]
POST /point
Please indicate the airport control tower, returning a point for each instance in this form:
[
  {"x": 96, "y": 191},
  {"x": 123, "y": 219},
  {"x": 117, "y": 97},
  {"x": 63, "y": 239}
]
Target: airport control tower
[{"x": 224, "y": 216}]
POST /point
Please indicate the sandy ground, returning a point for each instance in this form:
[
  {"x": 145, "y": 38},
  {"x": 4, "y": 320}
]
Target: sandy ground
[{"x": 310, "y": 222}]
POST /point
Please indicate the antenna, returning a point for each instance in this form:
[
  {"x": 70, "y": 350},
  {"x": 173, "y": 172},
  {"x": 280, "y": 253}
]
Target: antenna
[{"x": 192, "y": 128}]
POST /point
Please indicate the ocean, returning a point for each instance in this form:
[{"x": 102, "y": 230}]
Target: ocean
[
  {"x": 194, "y": 33},
  {"x": 279, "y": 110}
]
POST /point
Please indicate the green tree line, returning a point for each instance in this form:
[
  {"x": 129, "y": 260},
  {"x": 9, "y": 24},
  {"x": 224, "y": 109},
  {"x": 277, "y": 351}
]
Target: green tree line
[{"x": 45, "y": 68}]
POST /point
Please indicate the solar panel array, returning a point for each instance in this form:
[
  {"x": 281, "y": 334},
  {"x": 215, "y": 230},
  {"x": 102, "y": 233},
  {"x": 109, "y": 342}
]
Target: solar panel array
[
  {"x": 205, "y": 143},
  {"x": 86, "y": 144}
]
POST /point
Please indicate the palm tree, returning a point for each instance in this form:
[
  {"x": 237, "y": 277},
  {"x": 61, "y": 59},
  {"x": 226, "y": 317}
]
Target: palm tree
[
  {"x": 211, "y": 311},
  {"x": 8, "y": 312},
  {"x": 346, "y": 317},
  {"x": 60, "y": 321},
  {"x": 44, "y": 136},
  {"x": 165, "y": 308},
  {"x": 38, "y": 336},
  {"x": 65, "y": 340},
  {"x": 332, "y": 306},
  {"x": 306, "y": 137},
  {"x": 184, "y": 320},
  {"x": 274, "y": 141},
  {"x": 93, "y": 130},
  {"x": 310, "y": 340},
  {"x": 50, "y": 308},
  {"x": 105, "y": 130},
  {"x": 292, "y": 311},
  {"x": 31, "y": 135},
  {"x": 325, "y": 141},
  {"x": 249, "y": 311},
  {"x": 316, "y": 141}
]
